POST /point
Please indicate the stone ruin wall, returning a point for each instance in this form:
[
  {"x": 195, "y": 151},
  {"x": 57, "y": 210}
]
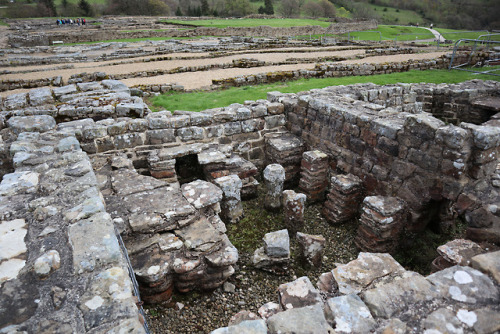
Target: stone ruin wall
[
  {"x": 386, "y": 135},
  {"x": 322, "y": 70},
  {"x": 83, "y": 34}
]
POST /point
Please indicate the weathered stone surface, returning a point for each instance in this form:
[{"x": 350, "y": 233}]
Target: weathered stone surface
[
  {"x": 367, "y": 271},
  {"x": 489, "y": 264},
  {"x": 47, "y": 263},
  {"x": 306, "y": 320},
  {"x": 268, "y": 309},
  {"x": 96, "y": 233},
  {"x": 459, "y": 251},
  {"x": 390, "y": 299},
  {"x": 466, "y": 285},
  {"x": 443, "y": 321},
  {"x": 293, "y": 209},
  {"x": 40, "y": 123},
  {"x": 98, "y": 304},
  {"x": 348, "y": 314},
  {"x": 380, "y": 224},
  {"x": 231, "y": 208},
  {"x": 244, "y": 327},
  {"x": 285, "y": 150},
  {"x": 344, "y": 198},
  {"x": 243, "y": 315},
  {"x": 298, "y": 293},
  {"x": 19, "y": 183},
  {"x": 274, "y": 177},
  {"x": 312, "y": 248},
  {"x": 201, "y": 194},
  {"x": 40, "y": 96},
  {"x": 277, "y": 244},
  {"x": 313, "y": 175}
]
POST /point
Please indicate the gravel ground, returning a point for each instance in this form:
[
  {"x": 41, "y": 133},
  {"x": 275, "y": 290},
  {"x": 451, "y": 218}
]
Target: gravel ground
[{"x": 204, "y": 312}]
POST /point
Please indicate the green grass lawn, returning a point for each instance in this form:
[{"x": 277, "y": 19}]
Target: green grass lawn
[
  {"x": 455, "y": 35},
  {"x": 389, "y": 32},
  {"x": 391, "y": 15},
  {"x": 198, "y": 101},
  {"x": 223, "y": 23}
]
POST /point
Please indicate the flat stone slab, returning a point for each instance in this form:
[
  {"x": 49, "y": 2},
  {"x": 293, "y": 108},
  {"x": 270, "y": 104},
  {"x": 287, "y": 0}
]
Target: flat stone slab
[
  {"x": 97, "y": 234},
  {"x": 200, "y": 236},
  {"x": 491, "y": 103},
  {"x": 160, "y": 209},
  {"x": 277, "y": 244},
  {"x": 19, "y": 183},
  {"x": 488, "y": 263},
  {"x": 349, "y": 314},
  {"x": 126, "y": 182},
  {"x": 367, "y": 269},
  {"x": 298, "y": 293},
  {"x": 391, "y": 299},
  {"x": 304, "y": 320},
  {"x": 459, "y": 251},
  {"x": 207, "y": 157},
  {"x": 465, "y": 284},
  {"x": 201, "y": 194},
  {"x": 40, "y": 123},
  {"x": 286, "y": 143}
]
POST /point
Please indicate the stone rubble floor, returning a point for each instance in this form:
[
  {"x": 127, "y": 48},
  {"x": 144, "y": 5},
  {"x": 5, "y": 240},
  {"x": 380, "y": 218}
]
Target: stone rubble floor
[{"x": 202, "y": 312}]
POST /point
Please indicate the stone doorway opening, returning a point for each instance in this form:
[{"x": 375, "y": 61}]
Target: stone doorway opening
[{"x": 188, "y": 169}]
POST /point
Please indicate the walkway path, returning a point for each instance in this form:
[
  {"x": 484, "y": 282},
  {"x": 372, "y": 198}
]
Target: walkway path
[{"x": 436, "y": 34}]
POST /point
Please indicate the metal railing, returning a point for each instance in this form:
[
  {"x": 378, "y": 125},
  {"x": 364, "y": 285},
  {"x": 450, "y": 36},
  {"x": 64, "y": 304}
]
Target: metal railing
[
  {"x": 476, "y": 42},
  {"x": 134, "y": 280}
]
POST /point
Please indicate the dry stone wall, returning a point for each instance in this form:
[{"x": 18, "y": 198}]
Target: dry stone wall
[
  {"x": 84, "y": 34},
  {"x": 390, "y": 140},
  {"x": 328, "y": 70}
]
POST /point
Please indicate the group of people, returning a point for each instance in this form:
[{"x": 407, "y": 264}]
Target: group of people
[{"x": 78, "y": 21}]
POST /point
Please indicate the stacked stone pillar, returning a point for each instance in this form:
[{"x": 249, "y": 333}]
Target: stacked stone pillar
[
  {"x": 162, "y": 169},
  {"x": 314, "y": 175},
  {"x": 380, "y": 224},
  {"x": 274, "y": 177},
  {"x": 344, "y": 199},
  {"x": 231, "y": 208},
  {"x": 293, "y": 208}
]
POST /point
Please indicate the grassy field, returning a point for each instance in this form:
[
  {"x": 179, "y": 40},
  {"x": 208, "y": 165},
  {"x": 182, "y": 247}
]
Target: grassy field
[
  {"x": 455, "y": 35},
  {"x": 225, "y": 23},
  {"x": 389, "y": 32},
  {"x": 391, "y": 15},
  {"x": 198, "y": 101}
]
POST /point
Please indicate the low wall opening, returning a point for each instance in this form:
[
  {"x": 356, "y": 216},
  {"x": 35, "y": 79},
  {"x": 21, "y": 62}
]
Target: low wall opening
[{"x": 188, "y": 169}]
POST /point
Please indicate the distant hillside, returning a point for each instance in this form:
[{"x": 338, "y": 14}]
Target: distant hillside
[{"x": 456, "y": 14}]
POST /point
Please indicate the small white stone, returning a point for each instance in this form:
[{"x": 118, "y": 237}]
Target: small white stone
[
  {"x": 468, "y": 318},
  {"x": 47, "y": 263},
  {"x": 10, "y": 269},
  {"x": 153, "y": 270},
  {"x": 94, "y": 303}
]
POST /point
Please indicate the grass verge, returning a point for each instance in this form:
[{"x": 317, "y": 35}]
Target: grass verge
[
  {"x": 201, "y": 100},
  {"x": 278, "y": 23},
  {"x": 390, "y": 32}
]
